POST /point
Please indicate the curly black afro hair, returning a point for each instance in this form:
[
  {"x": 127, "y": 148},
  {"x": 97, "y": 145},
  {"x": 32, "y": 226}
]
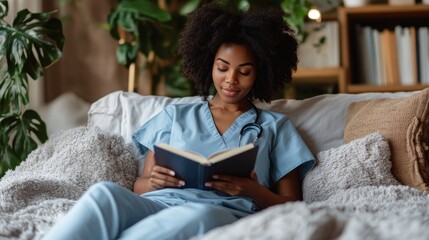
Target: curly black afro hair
[{"x": 265, "y": 32}]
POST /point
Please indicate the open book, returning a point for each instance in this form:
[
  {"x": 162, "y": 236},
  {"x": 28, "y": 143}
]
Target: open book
[{"x": 196, "y": 170}]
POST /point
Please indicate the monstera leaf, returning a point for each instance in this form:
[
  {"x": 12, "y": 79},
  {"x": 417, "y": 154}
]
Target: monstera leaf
[
  {"x": 20, "y": 129},
  {"x": 13, "y": 92},
  {"x": 31, "y": 43}
]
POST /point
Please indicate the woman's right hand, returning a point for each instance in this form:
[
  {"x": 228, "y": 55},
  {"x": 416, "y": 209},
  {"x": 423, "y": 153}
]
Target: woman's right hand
[
  {"x": 161, "y": 177},
  {"x": 155, "y": 177}
]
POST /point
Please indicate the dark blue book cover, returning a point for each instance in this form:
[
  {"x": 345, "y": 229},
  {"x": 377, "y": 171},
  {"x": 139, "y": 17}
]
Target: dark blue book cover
[{"x": 195, "y": 170}]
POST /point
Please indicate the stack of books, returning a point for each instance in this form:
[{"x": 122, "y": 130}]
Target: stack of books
[{"x": 398, "y": 56}]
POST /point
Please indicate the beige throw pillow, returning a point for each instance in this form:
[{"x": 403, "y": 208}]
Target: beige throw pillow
[{"x": 405, "y": 124}]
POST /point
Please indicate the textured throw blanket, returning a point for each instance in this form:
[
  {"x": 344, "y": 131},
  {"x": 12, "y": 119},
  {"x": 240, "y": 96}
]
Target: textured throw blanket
[
  {"x": 44, "y": 187},
  {"x": 350, "y": 194},
  {"x": 384, "y": 212}
]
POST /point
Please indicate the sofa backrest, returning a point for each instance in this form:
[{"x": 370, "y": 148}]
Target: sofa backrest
[{"x": 320, "y": 120}]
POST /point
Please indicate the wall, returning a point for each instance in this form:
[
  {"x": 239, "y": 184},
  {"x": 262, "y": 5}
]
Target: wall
[{"x": 88, "y": 66}]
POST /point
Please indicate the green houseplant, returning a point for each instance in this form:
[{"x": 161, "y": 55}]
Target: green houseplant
[
  {"x": 31, "y": 43},
  {"x": 152, "y": 28}
]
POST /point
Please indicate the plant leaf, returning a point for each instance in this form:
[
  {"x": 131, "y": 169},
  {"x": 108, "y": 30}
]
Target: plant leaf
[
  {"x": 145, "y": 8},
  {"x": 4, "y": 8},
  {"x": 189, "y": 7},
  {"x": 126, "y": 53},
  {"x": 296, "y": 12},
  {"x": 130, "y": 12},
  {"x": 9, "y": 159},
  {"x": 13, "y": 93},
  {"x": 26, "y": 131},
  {"x": 131, "y": 15},
  {"x": 34, "y": 42}
]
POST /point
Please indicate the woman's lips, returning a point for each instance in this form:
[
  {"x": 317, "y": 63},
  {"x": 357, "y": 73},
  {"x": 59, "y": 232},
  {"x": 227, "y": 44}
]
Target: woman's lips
[{"x": 230, "y": 92}]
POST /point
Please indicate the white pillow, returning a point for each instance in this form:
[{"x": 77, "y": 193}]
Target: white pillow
[
  {"x": 362, "y": 162},
  {"x": 124, "y": 112},
  {"x": 319, "y": 120}
]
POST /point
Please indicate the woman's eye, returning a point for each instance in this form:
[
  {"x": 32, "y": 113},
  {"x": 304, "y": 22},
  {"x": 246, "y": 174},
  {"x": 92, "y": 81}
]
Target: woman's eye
[
  {"x": 245, "y": 73},
  {"x": 222, "y": 69}
]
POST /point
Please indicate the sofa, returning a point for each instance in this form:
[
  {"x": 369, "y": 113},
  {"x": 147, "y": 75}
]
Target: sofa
[{"x": 371, "y": 180}]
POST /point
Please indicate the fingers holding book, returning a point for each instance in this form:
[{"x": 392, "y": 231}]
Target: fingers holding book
[
  {"x": 162, "y": 177},
  {"x": 235, "y": 186}
]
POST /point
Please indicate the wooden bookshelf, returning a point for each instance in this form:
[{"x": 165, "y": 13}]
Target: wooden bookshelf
[
  {"x": 316, "y": 76},
  {"x": 321, "y": 76},
  {"x": 378, "y": 17}
]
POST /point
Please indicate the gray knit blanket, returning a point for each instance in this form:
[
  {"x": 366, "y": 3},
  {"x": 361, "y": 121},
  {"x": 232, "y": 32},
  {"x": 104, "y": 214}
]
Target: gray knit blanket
[
  {"x": 350, "y": 194},
  {"x": 44, "y": 187},
  {"x": 384, "y": 212}
]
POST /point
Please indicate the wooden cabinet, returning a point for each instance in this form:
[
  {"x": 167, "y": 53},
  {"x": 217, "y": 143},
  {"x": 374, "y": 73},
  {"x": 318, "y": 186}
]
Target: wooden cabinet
[{"x": 378, "y": 17}]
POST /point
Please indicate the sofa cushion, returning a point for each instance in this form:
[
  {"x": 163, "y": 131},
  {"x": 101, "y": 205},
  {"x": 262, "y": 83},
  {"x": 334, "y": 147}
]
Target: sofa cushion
[
  {"x": 404, "y": 122},
  {"x": 359, "y": 163}
]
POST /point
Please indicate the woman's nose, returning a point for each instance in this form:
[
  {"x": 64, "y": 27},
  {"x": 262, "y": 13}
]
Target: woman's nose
[{"x": 231, "y": 78}]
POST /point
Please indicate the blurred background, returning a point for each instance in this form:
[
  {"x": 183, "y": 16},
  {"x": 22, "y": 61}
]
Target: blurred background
[
  {"x": 105, "y": 39},
  {"x": 88, "y": 68}
]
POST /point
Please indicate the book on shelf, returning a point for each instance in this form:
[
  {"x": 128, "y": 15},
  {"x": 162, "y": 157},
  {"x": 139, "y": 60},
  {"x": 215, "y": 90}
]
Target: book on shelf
[
  {"x": 389, "y": 58},
  {"x": 413, "y": 51},
  {"x": 423, "y": 52},
  {"x": 396, "y": 56},
  {"x": 385, "y": 57},
  {"x": 195, "y": 170},
  {"x": 399, "y": 35},
  {"x": 366, "y": 55},
  {"x": 377, "y": 57},
  {"x": 408, "y": 54}
]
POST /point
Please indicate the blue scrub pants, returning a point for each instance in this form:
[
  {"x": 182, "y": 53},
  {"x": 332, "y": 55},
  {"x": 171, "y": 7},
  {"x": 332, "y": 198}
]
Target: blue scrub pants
[{"x": 109, "y": 211}]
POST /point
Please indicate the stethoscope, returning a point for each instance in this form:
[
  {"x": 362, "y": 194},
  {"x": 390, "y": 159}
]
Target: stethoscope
[{"x": 251, "y": 126}]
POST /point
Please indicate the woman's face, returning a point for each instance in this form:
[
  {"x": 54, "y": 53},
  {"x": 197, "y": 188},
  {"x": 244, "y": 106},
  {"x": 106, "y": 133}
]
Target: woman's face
[{"x": 234, "y": 72}]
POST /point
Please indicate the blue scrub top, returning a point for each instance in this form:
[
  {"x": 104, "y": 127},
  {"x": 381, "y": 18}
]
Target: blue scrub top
[{"x": 191, "y": 127}]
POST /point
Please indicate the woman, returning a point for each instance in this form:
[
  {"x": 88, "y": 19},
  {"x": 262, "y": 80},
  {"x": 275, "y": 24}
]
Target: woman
[{"x": 245, "y": 56}]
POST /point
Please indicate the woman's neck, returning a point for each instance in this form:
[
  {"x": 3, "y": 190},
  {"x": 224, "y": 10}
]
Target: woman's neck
[{"x": 242, "y": 106}]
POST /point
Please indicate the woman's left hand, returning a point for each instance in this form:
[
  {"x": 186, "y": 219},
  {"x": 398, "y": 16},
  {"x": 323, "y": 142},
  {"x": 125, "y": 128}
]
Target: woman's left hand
[{"x": 236, "y": 186}]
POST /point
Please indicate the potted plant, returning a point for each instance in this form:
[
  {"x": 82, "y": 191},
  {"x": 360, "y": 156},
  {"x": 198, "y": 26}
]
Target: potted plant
[
  {"x": 33, "y": 41},
  {"x": 152, "y": 29}
]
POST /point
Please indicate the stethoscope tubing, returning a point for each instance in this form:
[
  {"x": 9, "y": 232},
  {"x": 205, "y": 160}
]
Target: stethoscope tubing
[{"x": 251, "y": 126}]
